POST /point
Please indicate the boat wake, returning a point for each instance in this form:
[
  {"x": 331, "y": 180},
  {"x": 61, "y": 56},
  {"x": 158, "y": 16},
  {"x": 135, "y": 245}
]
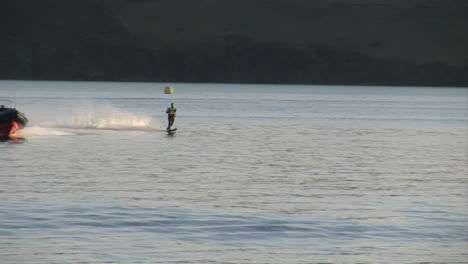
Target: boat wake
[{"x": 112, "y": 124}]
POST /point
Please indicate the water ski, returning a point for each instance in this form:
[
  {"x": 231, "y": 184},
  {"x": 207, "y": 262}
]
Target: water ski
[{"x": 170, "y": 131}]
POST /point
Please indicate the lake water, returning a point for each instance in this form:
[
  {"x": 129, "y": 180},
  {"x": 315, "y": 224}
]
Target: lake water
[{"x": 255, "y": 174}]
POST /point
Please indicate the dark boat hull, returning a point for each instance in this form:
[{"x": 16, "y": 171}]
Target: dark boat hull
[{"x": 11, "y": 120}]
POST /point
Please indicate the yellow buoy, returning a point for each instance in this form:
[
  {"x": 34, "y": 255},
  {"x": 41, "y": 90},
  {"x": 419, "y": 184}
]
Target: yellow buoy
[{"x": 168, "y": 90}]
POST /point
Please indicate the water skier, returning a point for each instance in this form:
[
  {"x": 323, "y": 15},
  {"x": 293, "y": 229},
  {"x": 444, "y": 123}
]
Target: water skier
[{"x": 171, "y": 114}]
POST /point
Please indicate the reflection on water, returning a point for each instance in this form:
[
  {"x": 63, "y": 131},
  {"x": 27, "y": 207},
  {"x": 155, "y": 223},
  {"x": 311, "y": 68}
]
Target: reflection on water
[{"x": 12, "y": 139}]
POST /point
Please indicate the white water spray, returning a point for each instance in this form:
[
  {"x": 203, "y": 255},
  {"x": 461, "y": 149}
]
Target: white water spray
[
  {"x": 108, "y": 117},
  {"x": 89, "y": 116}
]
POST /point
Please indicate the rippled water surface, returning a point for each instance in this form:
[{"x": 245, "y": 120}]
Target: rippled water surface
[{"x": 254, "y": 174}]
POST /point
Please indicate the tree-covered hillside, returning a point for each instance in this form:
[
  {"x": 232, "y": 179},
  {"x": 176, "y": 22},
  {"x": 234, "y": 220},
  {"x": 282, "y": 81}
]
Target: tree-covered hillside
[{"x": 257, "y": 41}]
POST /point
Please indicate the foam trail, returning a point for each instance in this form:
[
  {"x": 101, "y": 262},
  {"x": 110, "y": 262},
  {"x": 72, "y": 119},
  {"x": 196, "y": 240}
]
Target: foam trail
[{"x": 41, "y": 131}]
